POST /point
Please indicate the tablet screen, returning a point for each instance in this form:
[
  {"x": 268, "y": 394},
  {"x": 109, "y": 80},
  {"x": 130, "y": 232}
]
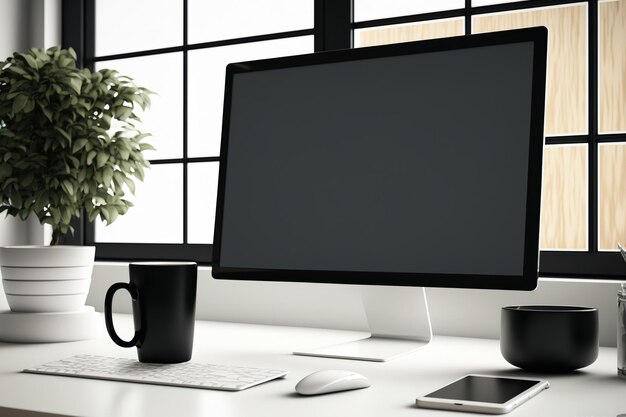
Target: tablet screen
[{"x": 483, "y": 389}]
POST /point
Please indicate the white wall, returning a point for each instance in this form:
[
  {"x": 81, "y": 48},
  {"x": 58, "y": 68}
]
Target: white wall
[
  {"x": 454, "y": 312},
  {"x": 29, "y": 23},
  {"x": 14, "y": 32},
  {"x": 25, "y": 24}
]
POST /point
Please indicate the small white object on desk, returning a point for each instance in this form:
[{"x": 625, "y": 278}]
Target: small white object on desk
[{"x": 324, "y": 382}]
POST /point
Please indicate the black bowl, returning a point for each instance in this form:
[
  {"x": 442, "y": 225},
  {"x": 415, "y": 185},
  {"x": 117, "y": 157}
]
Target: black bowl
[{"x": 549, "y": 338}]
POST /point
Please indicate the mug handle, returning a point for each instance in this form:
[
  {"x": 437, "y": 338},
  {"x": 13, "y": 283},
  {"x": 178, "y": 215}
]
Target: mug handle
[{"x": 108, "y": 317}]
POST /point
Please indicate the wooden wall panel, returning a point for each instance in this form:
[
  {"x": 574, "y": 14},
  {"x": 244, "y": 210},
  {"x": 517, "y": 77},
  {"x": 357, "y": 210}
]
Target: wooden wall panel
[
  {"x": 612, "y": 195},
  {"x": 411, "y": 32},
  {"x": 564, "y": 198},
  {"x": 612, "y": 66},
  {"x": 566, "y": 111}
]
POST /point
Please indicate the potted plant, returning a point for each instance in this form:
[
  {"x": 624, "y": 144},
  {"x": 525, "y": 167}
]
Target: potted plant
[{"x": 68, "y": 145}]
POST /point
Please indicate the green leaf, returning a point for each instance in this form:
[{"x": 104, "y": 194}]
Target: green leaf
[
  {"x": 75, "y": 162},
  {"x": 91, "y": 215},
  {"x": 56, "y": 215},
  {"x": 101, "y": 159},
  {"x": 47, "y": 112},
  {"x": 78, "y": 145},
  {"x": 112, "y": 214},
  {"x": 9, "y": 182},
  {"x": 28, "y": 179},
  {"x": 96, "y": 77},
  {"x": 5, "y": 170},
  {"x": 40, "y": 54},
  {"x": 118, "y": 181},
  {"x": 104, "y": 212},
  {"x": 68, "y": 187},
  {"x": 30, "y": 106},
  {"x": 19, "y": 103},
  {"x": 31, "y": 61},
  {"x": 66, "y": 216},
  {"x": 90, "y": 156},
  {"x": 123, "y": 112},
  {"x": 82, "y": 174},
  {"x": 146, "y": 147},
  {"x": 41, "y": 200},
  {"x": 141, "y": 136},
  {"x": 106, "y": 121},
  {"x": 18, "y": 70},
  {"x": 23, "y": 215},
  {"x": 107, "y": 176},
  {"x": 16, "y": 199},
  {"x": 139, "y": 172},
  {"x": 130, "y": 183},
  {"x": 76, "y": 84},
  {"x": 64, "y": 133}
]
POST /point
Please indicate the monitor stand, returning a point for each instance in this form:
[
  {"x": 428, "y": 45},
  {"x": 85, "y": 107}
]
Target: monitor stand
[{"x": 399, "y": 324}]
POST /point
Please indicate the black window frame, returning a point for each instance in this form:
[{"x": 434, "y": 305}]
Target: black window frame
[{"x": 333, "y": 29}]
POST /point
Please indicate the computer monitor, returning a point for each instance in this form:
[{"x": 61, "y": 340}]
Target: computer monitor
[{"x": 408, "y": 165}]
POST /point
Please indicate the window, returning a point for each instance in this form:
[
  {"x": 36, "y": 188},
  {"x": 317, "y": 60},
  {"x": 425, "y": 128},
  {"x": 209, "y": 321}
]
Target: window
[
  {"x": 180, "y": 50},
  {"x": 584, "y": 199}
]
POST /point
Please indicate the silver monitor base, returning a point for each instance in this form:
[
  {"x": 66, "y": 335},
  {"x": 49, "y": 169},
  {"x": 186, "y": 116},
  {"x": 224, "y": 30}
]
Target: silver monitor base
[
  {"x": 399, "y": 322},
  {"x": 375, "y": 349}
]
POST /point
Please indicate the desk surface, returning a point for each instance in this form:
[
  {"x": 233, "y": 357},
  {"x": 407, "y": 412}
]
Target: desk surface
[{"x": 595, "y": 391}]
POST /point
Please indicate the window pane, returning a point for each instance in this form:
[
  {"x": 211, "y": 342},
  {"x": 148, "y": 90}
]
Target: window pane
[
  {"x": 162, "y": 74},
  {"x": 206, "y": 73},
  {"x": 409, "y": 32},
  {"x": 135, "y": 25},
  {"x": 564, "y": 198},
  {"x": 202, "y": 186},
  {"x": 157, "y": 214},
  {"x": 376, "y": 9},
  {"x": 611, "y": 195},
  {"x": 612, "y": 66},
  {"x": 211, "y": 20},
  {"x": 566, "y": 111}
]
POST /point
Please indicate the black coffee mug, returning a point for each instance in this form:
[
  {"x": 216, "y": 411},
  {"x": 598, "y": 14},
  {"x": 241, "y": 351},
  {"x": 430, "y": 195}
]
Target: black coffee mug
[{"x": 164, "y": 308}]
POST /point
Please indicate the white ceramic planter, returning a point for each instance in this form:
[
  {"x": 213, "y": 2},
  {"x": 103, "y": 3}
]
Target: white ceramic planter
[
  {"x": 46, "y": 274},
  {"x": 52, "y": 287},
  {"x": 47, "y": 256},
  {"x": 39, "y": 279},
  {"x": 46, "y": 303}
]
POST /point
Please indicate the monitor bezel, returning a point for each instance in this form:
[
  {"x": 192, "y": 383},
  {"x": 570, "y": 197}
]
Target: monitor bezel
[{"x": 525, "y": 281}]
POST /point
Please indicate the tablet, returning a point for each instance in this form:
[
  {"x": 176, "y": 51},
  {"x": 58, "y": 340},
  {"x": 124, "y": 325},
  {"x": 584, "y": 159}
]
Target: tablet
[{"x": 483, "y": 394}]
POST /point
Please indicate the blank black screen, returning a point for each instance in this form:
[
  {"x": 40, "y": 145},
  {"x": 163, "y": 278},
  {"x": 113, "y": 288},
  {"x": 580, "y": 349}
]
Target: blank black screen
[
  {"x": 413, "y": 163},
  {"x": 489, "y": 390}
]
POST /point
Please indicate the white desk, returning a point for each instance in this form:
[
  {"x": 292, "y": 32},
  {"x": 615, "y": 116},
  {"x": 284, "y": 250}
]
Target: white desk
[{"x": 596, "y": 391}]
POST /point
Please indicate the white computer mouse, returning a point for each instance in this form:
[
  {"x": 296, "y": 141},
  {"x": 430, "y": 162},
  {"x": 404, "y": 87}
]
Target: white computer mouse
[{"x": 324, "y": 382}]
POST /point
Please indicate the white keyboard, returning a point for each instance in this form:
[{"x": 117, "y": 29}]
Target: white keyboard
[{"x": 188, "y": 374}]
